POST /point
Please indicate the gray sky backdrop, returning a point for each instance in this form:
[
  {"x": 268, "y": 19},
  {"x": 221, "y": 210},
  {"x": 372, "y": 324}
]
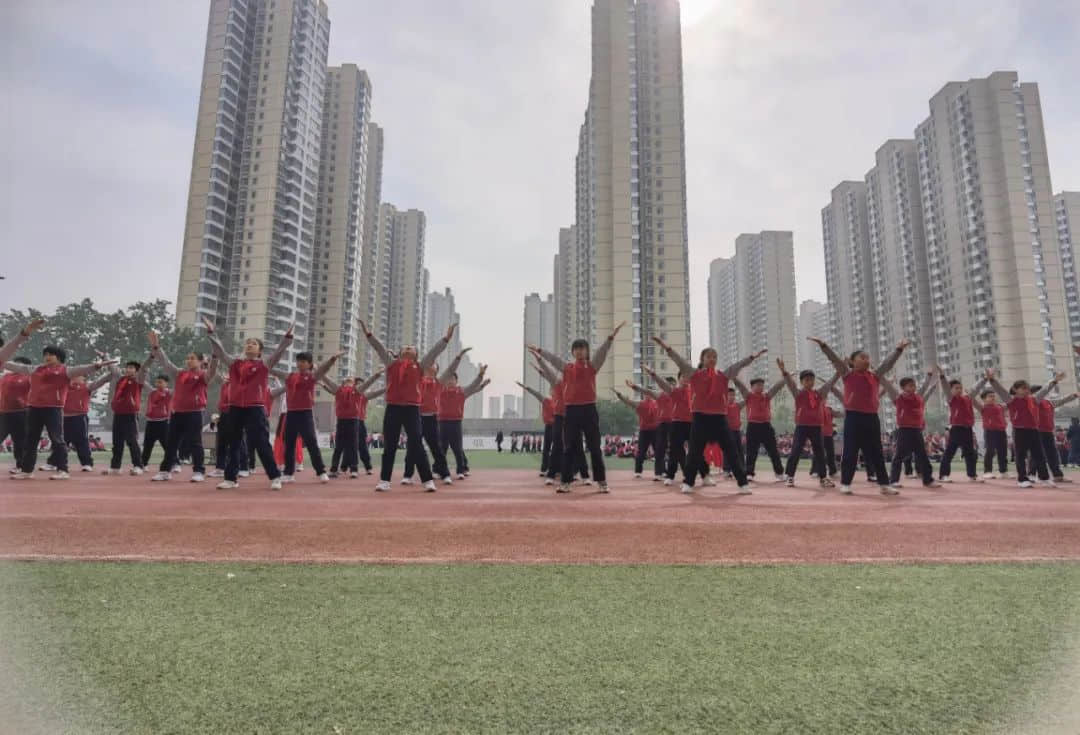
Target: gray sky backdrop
[{"x": 481, "y": 102}]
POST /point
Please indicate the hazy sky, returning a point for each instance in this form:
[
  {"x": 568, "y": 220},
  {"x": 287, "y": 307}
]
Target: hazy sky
[{"x": 481, "y": 102}]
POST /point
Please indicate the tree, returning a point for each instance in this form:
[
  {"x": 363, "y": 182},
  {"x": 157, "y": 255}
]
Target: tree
[{"x": 616, "y": 418}]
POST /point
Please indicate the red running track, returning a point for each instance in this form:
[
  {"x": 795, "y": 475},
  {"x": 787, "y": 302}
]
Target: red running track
[{"x": 510, "y": 516}]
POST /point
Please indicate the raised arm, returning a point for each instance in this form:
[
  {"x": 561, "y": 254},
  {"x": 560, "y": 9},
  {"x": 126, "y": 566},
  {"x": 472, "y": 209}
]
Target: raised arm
[
  {"x": 144, "y": 368},
  {"x": 277, "y": 392},
  {"x": 1063, "y": 401},
  {"x": 534, "y": 393},
  {"x": 602, "y": 351},
  {"x": 829, "y": 386},
  {"x": 283, "y": 346},
  {"x": 976, "y": 402},
  {"x": 789, "y": 381},
  {"x": 551, "y": 359},
  {"x": 661, "y": 383},
  {"x": 453, "y": 366},
  {"x": 323, "y": 369},
  {"x": 998, "y": 387},
  {"x": 929, "y": 385},
  {"x": 216, "y": 348},
  {"x": 371, "y": 395},
  {"x": 838, "y": 362},
  {"x": 685, "y": 368},
  {"x": 159, "y": 354},
  {"x": 545, "y": 372},
  {"x": 330, "y": 385},
  {"x": 476, "y": 387},
  {"x": 369, "y": 382},
  {"x": 741, "y": 387},
  {"x": 779, "y": 386},
  {"x": 631, "y": 403},
  {"x": 890, "y": 361},
  {"x": 839, "y": 396},
  {"x": 18, "y": 367},
  {"x": 8, "y": 351},
  {"x": 100, "y": 381},
  {"x": 1046, "y": 389},
  {"x": 736, "y": 367},
  {"x": 943, "y": 380},
  {"x": 437, "y": 348},
  {"x": 642, "y": 390},
  {"x": 376, "y": 345},
  {"x": 888, "y": 388},
  {"x": 74, "y": 372}
]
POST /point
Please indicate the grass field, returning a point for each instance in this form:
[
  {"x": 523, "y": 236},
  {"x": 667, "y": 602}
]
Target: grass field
[{"x": 215, "y": 648}]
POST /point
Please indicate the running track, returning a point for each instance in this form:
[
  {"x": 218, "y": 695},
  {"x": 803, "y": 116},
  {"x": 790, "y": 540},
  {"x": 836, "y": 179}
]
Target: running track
[{"x": 509, "y": 516}]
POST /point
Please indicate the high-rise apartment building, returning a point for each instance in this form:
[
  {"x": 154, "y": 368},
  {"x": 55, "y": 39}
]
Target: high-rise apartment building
[
  {"x": 1067, "y": 217},
  {"x": 494, "y": 407},
  {"x": 398, "y": 282},
  {"x": 339, "y": 219},
  {"x": 629, "y": 260},
  {"x": 510, "y": 407},
  {"x": 250, "y": 228},
  {"x": 900, "y": 276},
  {"x": 373, "y": 252},
  {"x": 813, "y": 322},
  {"x": 997, "y": 279},
  {"x": 565, "y": 291},
  {"x": 849, "y": 270},
  {"x": 752, "y": 302},
  {"x": 441, "y": 313},
  {"x": 540, "y": 328}
]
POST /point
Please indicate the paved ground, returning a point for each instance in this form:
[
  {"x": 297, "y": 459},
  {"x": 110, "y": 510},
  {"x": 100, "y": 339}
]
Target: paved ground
[{"x": 509, "y": 516}]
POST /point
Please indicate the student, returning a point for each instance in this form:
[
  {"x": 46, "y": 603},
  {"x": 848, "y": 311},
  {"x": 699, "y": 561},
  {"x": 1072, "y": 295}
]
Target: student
[
  {"x": 828, "y": 442},
  {"x": 648, "y": 416},
  {"x": 452, "y": 413},
  {"x": 223, "y": 440},
  {"x": 49, "y": 383},
  {"x": 350, "y": 436},
  {"x": 709, "y": 423},
  {"x": 995, "y": 438},
  {"x": 681, "y": 394},
  {"x": 14, "y": 392},
  {"x": 403, "y": 376},
  {"x": 809, "y": 416},
  {"x": 558, "y": 433},
  {"x": 579, "y": 396},
  {"x": 431, "y": 387},
  {"x": 961, "y": 429},
  {"x": 1046, "y": 425},
  {"x": 188, "y": 402},
  {"x": 910, "y": 402},
  {"x": 77, "y": 421},
  {"x": 125, "y": 391},
  {"x": 158, "y": 412},
  {"x": 299, "y": 417},
  {"x": 1024, "y": 416},
  {"x": 862, "y": 426},
  {"x": 664, "y": 405},
  {"x": 759, "y": 428},
  {"x": 734, "y": 418},
  {"x": 249, "y": 378},
  {"x": 547, "y": 413}
]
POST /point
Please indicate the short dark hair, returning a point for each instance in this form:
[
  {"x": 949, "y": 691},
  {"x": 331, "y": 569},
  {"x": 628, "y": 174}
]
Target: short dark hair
[
  {"x": 199, "y": 355},
  {"x": 986, "y": 393},
  {"x": 904, "y": 382},
  {"x": 23, "y": 360},
  {"x": 579, "y": 343},
  {"x": 807, "y": 374},
  {"x": 755, "y": 381},
  {"x": 953, "y": 382},
  {"x": 305, "y": 357},
  {"x": 133, "y": 363},
  {"x": 59, "y": 352},
  {"x": 855, "y": 354},
  {"x": 162, "y": 377}
]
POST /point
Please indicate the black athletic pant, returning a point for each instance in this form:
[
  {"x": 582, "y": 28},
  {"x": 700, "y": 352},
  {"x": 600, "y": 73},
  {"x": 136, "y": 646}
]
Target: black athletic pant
[
  {"x": 156, "y": 432},
  {"x": 646, "y": 439},
  {"x": 345, "y": 446},
  {"x": 1050, "y": 451},
  {"x": 545, "y": 452},
  {"x": 52, "y": 421},
  {"x": 13, "y": 424},
  {"x": 1029, "y": 441},
  {"x": 862, "y": 432},
  {"x": 396, "y": 418},
  {"x": 361, "y": 444},
  {"x": 429, "y": 429},
  {"x": 760, "y": 435},
  {"x": 910, "y": 443},
  {"x": 828, "y": 443},
  {"x": 679, "y": 436},
  {"x": 557, "y": 455},
  {"x": 663, "y": 433},
  {"x": 962, "y": 438},
  {"x": 450, "y": 438},
  {"x": 125, "y": 432},
  {"x": 250, "y": 422},
  {"x": 582, "y": 421},
  {"x": 798, "y": 441},
  {"x": 185, "y": 429},
  {"x": 223, "y": 449},
  {"x": 706, "y": 428},
  {"x": 77, "y": 436},
  {"x": 302, "y": 423},
  {"x": 996, "y": 442},
  {"x": 736, "y": 435}
]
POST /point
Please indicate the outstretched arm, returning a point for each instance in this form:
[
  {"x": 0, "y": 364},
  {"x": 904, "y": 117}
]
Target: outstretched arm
[
  {"x": 741, "y": 387},
  {"x": 453, "y": 366},
  {"x": 685, "y": 368},
  {"x": 642, "y": 390},
  {"x": 283, "y": 346},
  {"x": 829, "y": 386},
  {"x": 776, "y": 388},
  {"x": 280, "y": 374},
  {"x": 437, "y": 348},
  {"x": 661, "y": 383},
  {"x": 373, "y": 394},
  {"x": 838, "y": 362},
  {"x": 553, "y": 360},
  {"x": 100, "y": 381},
  {"x": 929, "y": 385},
  {"x": 1063, "y": 401},
  {"x": 998, "y": 387},
  {"x": 736, "y": 367},
  {"x": 888, "y": 387},
  {"x": 976, "y": 403},
  {"x": 323, "y": 369},
  {"x": 476, "y": 387},
  {"x": 546, "y": 372},
  {"x": 74, "y": 372},
  {"x": 216, "y": 348},
  {"x": 602, "y": 351},
  {"x": 534, "y": 393},
  {"x": 331, "y": 386},
  {"x": 839, "y": 396},
  {"x": 369, "y": 382},
  {"x": 789, "y": 381},
  {"x": 159, "y": 354},
  {"x": 890, "y": 361},
  {"x": 376, "y": 345},
  {"x": 632, "y": 404},
  {"x": 8, "y": 351},
  {"x": 1046, "y": 389},
  {"x": 944, "y": 380}
]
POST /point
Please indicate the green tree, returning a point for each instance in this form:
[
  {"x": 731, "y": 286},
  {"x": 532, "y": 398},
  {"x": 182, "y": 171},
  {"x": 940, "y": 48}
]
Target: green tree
[{"x": 616, "y": 418}]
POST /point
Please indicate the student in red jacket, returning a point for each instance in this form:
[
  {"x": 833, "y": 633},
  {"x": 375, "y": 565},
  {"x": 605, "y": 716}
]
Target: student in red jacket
[
  {"x": 558, "y": 438},
  {"x": 403, "y": 376},
  {"x": 1046, "y": 425},
  {"x": 579, "y": 395},
  {"x": 862, "y": 425},
  {"x": 648, "y": 416},
  {"x": 49, "y": 383},
  {"x": 961, "y": 429},
  {"x": 249, "y": 379},
  {"x": 547, "y": 413},
  {"x": 759, "y": 428},
  {"x": 664, "y": 407},
  {"x": 299, "y": 411},
  {"x": 188, "y": 402},
  {"x": 350, "y": 435},
  {"x": 158, "y": 412},
  {"x": 679, "y": 390},
  {"x": 995, "y": 438},
  {"x": 1023, "y": 411},
  {"x": 710, "y": 409},
  {"x": 910, "y": 402},
  {"x": 125, "y": 400},
  {"x": 14, "y": 391},
  {"x": 809, "y": 416},
  {"x": 76, "y": 419},
  {"x": 431, "y": 389},
  {"x": 452, "y": 413}
]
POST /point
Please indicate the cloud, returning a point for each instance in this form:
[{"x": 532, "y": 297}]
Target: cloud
[{"x": 481, "y": 103}]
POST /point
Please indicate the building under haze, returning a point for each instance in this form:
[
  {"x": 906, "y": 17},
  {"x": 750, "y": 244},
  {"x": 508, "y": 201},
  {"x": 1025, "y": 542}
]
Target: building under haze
[
  {"x": 371, "y": 287},
  {"x": 813, "y": 322},
  {"x": 539, "y": 329},
  {"x": 849, "y": 274},
  {"x": 1067, "y": 216},
  {"x": 441, "y": 313},
  {"x": 626, "y": 256},
  {"x": 249, "y": 232},
  {"x": 752, "y": 302},
  {"x": 494, "y": 407}
]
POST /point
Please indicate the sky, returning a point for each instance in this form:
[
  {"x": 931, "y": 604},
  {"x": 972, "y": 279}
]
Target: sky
[{"x": 481, "y": 101}]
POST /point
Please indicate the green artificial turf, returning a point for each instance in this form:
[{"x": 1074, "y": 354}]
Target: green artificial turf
[{"x": 187, "y": 648}]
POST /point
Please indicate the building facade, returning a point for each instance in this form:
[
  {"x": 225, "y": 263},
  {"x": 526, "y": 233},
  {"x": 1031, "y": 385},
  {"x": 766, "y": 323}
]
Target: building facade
[
  {"x": 1067, "y": 217},
  {"x": 813, "y": 322},
  {"x": 539, "y": 328},
  {"x": 849, "y": 270},
  {"x": 371, "y": 287}
]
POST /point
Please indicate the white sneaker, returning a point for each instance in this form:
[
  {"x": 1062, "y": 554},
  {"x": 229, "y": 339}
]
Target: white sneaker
[
  {"x": 813, "y": 475},
  {"x": 708, "y": 481},
  {"x": 136, "y": 471},
  {"x": 354, "y": 475},
  {"x": 448, "y": 480},
  {"x": 1005, "y": 475},
  {"x": 549, "y": 481},
  {"x": 46, "y": 468},
  {"x": 275, "y": 484},
  {"x": 461, "y": 475},
  {"x": 325, "y": 478},
  {"x": 382, "y": 487},
  {"x": 161, "y": 477},
  {"x": 429, "y": 486},
  {"x": 789, "y": 481},
  {"x": 227, "y": 485},
  {"x": 657, "y": 478},
  {"x": 976, "y": 479},
  {"x": 668, "y": 482},
  {"x": 888, "y": 490},
  {"x": 563, "y": 488},
  {"x": 686, "y": 489},
  {"x": 1025, "y": 484},
  {"x": 1047, "y": 483},
  {"x": 637, "y": 475},
  {"x": 110, "y": 472},
  {"x": 176, "y": 469},
  {"x": 197, "y": 477},
  {"x": 947, "y": 478},
  {"x": 300, "y": 468},
  {"x": 215, "y": 473},
  {"x": 783, "y": 478},
  {"x": 745, "y": 490},
  {"x": 406, "y": 481},
  {"x": 13, "y": 471},
  {"x": 845, "y": 489},
  {"x": 990, "y": 476},
  {"x": 287, "y": 479},
  {"x": 244, "y": 473},
  {"x": 87, "y": 468},
  {"x": 23, "y": 476},
  {"x": 587, "y": 481},
  {"x": 604, "y": 488},
  {"x": 896, "y": 485},
  {"x": 61, "y": 475}
]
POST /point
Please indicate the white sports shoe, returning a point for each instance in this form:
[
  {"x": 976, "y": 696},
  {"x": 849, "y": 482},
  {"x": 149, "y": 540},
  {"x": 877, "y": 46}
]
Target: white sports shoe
[
  {"x": 382, "y": 487},
  {"x": 216, "y": 473},
  {"x": 563, "y": 488},
  {"x": 1047, "y": 483},
  {"x": 1005, "y": 475},
  {"x": 1025, "y": 484},
  {"x": 990, "y": 476},
  {"x": 197, "y": 477},
  {"x": 275, "y": 484},
  {"x": 87, "y": 468},
  {"x": 745, "y": 490},
  {"x": 888, "y": 490},
  {"x": 61, "y": 475},
  {"x": 244, "y": 473},
  {"x": 429, "y": 486},
  {"x": 110, "y": 471},
  {"x": 287, "y": 479},
  {"x": 587, "y": 481},
  {"x": 604, "y": 488},
  {"x": 448, "y": 480},
  {"x": 783, "y": 478},
  {"x": 46, "y": 468},
  {"x": 227, "y": 485},
  {"x": 461, "y": 475},
  {"x": 176, "y": 469},
  {"x": 161, "y": 477},
  {"x": 136, "y": 471},
  {"x": 947, "y": 478},
  {"x": 406, "y": 481},
  {"x": 23, "y": 476},
  {"x": 976, "y": 479},
  {"x": 657, "y": 478},
  {"x": 549, "y": 481},
  {"x": 686, "y": 489},
  {"x": 667, "y": 482},
  {"x": 708, "y": 481},
  {"x": 896, "y": 485},
  {"x": 845, "y": 489},
  {"x": 324, "y": 478},
  {"x": 637, "y": 475}
]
